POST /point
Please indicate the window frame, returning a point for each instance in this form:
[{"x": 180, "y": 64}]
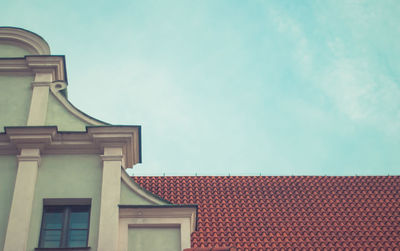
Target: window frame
[{"x": 65, "y": 229}]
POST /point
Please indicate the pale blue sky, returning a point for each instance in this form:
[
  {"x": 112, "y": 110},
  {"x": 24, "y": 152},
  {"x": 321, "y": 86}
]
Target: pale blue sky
[{"x": 235, "y": 87}]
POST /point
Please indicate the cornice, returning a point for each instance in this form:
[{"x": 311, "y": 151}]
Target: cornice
[
  {"x": 30, "y": 137},
  {"x": 50, "y": 141},
  {"x": 30, "y": 41},
  {"x": 54, "y": 65},
  {"x": 47, "y": 64},
  {"x": 127, "y": 137}
]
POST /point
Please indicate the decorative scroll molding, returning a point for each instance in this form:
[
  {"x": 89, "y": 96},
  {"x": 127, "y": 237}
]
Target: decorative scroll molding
[
  {"x": 56, "y": 88},
  {"x": 30, "y": 41},
  {"x": 152, "y": 198}
]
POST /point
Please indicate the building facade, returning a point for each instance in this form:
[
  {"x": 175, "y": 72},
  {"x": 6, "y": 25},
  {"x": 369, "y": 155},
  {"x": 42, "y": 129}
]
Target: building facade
[{"x": 62, "y": 173}]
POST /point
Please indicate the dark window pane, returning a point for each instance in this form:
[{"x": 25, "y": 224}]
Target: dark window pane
[
  {"x": 79, "y": 220},
  {"x": 77, "y": 238},
  {"x": 53, "y": 220},
  {"x": 51, "y": 238},
  {"x": 65, "y": 226}
]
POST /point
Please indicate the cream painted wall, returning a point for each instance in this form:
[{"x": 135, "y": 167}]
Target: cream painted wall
[
  {"x": 58, "y": 115},
  {"x": 15, "y": 96},
  {"x": 67, "y": 176},
  {"x": 8, "y": 172},
  {"x": 12, "y": 51},
  {"x": 160, "y": 239}
]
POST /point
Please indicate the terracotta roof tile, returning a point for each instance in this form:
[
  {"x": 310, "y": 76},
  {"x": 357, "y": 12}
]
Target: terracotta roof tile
[{"x": 302, "y": 212}]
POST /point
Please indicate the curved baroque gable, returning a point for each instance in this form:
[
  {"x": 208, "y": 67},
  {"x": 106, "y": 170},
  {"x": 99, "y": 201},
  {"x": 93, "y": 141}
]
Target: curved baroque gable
[{"x": 23, "y": 41}]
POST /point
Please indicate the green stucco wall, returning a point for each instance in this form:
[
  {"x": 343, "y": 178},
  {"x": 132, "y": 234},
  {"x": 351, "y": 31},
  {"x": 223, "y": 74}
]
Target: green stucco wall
[
  {"x": 12, "y": 51},
  {"x": 67, "y": 176},
  {"x": 160, "y": 239},
  {"x": 8, "y": 173},
  {"x": 15, "y": 98},
  {"x": 58, "y": 115},
  {"x": 129, "y": 197}
]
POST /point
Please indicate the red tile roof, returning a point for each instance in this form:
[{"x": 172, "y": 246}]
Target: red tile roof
[
  {"x": 258, "y": 213},
  {"x": 210, "y": 249}
]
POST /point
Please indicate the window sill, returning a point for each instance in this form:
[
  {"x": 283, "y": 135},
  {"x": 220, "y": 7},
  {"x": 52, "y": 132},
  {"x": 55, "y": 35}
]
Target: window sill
[{"x": 63, "y": 249}]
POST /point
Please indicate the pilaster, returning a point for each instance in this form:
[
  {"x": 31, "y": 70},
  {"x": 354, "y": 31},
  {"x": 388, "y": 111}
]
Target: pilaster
[
  {"x": 21, "y": 206},
  {"x": 110, "y": 197},
  {"x": 40, "y": 97}
]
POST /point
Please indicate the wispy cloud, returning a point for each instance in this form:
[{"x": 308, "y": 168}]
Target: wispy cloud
[
  {"x": 354, "y": 83},
  {"x": 361, "y": 93},
  {"x": 303, "y": 53}
]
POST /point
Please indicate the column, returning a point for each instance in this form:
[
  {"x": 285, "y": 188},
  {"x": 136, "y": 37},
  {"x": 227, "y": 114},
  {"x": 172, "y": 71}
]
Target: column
[
  {"x": 21, "y": 206},
  {"x": 110, "y": 197}
]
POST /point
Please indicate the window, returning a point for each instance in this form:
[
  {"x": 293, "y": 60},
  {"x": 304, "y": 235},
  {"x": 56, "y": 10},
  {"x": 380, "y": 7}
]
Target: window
[{"x": 65, "y": 226}]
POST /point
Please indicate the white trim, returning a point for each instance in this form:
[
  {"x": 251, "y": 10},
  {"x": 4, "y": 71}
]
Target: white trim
[{"x": 25, "y": 39}]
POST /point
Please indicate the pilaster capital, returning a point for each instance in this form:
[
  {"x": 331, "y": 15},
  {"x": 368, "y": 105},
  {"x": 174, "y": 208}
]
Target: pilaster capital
[
  {"x": 112, "y": 153},
  {"x": 40, "y": 83},
  {"x": 111, "y": 157},
  {"x": 29, "y": 155}
]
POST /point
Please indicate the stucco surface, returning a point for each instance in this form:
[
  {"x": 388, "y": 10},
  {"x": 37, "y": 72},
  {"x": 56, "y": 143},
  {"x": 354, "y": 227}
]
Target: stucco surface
[
  {"x": 12, "y": 51},
  {"x": 58, "y": 115},
  {"x": 160, "y": 239},
  {"x": 15, "y": 96},
  {"x": 8, "y": 172},
  {"x": 67, "y": 176}
]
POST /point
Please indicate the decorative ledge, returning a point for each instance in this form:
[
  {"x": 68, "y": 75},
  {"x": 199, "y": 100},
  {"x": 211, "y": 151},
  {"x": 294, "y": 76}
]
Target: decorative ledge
[{"x": 96, "y": 138}]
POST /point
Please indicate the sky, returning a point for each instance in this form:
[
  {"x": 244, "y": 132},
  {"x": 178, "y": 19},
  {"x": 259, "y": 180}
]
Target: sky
[{"x": 233, "y": 87}]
